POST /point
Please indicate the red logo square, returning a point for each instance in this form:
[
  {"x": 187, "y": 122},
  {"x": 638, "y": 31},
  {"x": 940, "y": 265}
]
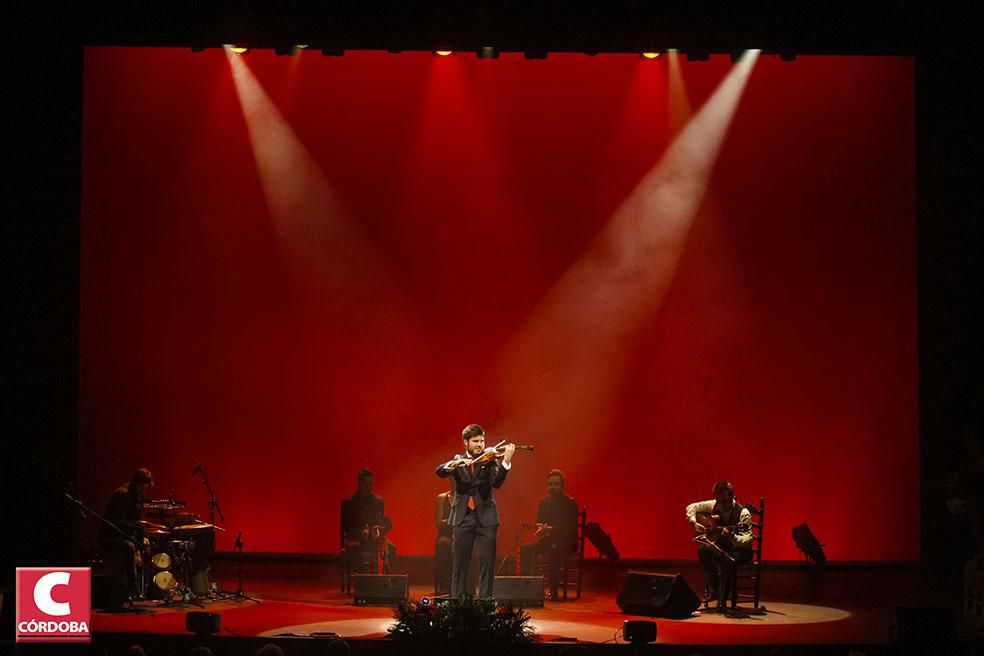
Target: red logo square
[{"x": 53, "y": 604}]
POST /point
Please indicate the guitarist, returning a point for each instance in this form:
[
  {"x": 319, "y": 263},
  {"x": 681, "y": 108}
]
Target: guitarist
[{"x": 723, "y": 531}]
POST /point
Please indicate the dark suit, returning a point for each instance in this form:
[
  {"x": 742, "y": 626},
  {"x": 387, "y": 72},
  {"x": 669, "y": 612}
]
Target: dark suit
[{"x": 474, "y": 528}]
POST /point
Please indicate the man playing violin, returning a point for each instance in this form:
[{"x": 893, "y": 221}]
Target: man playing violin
[
  {"x": 723, "y": 529},
  {"x": 474, "y": 518}
]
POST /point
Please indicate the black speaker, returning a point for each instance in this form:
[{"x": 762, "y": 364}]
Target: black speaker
[
  {"x": 656, "y": 595},
  {"x": 201, "y": 623},
  {"x": 380, "y": 589},
  {"x": 519, "y": 590},
  {"x": 108, "y": 592}
]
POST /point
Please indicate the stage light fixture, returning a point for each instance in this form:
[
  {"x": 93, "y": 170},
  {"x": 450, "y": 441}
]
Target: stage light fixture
[
  {"x": 602, "y": 541},
  {"x": 535, "y": 54},
  {"x": 286, "y": 51},
  {"x": 809, "y": 544},
  {"x": 236, "y": 50},
  {"x": 488, "y": 52},
  {"x": 787, "y": 56},
  {"x": 650, "y": 54},
  {"x": 698, "y": 55},
  {"x": 442, "y": 53},
  {"x": 198, "y": 48},
  {"x": 332, "y": 52}
]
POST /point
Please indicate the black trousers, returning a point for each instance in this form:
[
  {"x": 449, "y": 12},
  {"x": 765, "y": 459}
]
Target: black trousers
[
  {"x": 552, "y": 551},
  {"x": 719, "y": 570},
  {"x": 467, "y": 535}
]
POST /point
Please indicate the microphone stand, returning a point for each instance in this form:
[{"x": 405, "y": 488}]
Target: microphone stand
[
  {"x": 213, "y": 506},
  {"x": 238, "y": 550},
  {"x": 517, "y": 543},
  {"x": 213, "y": 503}
]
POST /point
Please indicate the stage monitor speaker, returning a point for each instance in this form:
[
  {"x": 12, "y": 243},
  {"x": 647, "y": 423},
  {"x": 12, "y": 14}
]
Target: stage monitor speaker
[
  {"x": 108, "y": 592},
  {"x": 656, "y": 595},
  {"x": 519, "y": 590},
  {"x": 380, "y": 589}
]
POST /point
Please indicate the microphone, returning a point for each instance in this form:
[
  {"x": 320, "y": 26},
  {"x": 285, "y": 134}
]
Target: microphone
[
  {"x": 197, "y": 469},
  {"x": 239, "y": 541}
]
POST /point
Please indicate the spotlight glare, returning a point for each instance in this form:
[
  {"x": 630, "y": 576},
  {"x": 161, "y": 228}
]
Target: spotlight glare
[
  {"x": 488, "y": 53},
  {"x": 650, "y": 55},
  {"x": 443, "y": 53},
  {"x": 237, "y": 50}
]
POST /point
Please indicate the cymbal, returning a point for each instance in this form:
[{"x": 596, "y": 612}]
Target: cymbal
[{"x": 151, "y": 526}]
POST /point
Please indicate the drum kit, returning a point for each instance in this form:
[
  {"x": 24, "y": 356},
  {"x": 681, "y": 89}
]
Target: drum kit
[{"x": 178, "y": 549}]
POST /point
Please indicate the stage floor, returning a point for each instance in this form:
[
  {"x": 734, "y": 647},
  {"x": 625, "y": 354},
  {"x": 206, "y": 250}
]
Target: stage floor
[{"x": 837, "y": 605}]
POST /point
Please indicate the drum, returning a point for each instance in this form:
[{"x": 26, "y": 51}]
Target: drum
[
  {"x": 165, "y": 582},
  {"x": 161, "y": 560},
  {"x": 200, "y": 540}
]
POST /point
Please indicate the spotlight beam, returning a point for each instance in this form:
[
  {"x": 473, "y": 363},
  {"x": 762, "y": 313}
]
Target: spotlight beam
[{"x": 560, "y": 374}]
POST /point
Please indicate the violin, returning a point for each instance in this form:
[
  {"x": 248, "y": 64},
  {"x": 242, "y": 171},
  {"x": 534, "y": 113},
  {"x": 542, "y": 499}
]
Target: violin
[{"x": 489, "y": 454}]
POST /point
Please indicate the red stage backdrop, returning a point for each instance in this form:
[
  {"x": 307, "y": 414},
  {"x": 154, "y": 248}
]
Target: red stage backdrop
[{"x": 657, "y": 273}]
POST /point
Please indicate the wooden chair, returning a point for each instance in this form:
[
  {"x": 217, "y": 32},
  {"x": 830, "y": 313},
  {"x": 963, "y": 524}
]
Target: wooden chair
[{"x": 746, "y": 583}]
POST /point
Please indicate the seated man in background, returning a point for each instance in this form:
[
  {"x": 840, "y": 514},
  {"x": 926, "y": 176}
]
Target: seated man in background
[
  {"x": 556, "y": 528},
  {"x": 364, "y": 529},
  {"x": 723, "y": 530}
]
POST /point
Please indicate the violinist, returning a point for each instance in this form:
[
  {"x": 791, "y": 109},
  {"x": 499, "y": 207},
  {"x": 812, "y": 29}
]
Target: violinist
[
  {"x": 723, "y": 530},
  {"x": 474, "y": 519}
]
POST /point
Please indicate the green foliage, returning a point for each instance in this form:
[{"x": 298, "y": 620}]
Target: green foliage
[{"x": 467, "y": 623}]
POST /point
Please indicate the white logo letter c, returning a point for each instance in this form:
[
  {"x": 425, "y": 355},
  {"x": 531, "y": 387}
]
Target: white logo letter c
[{"x": 42, "y": 594}]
